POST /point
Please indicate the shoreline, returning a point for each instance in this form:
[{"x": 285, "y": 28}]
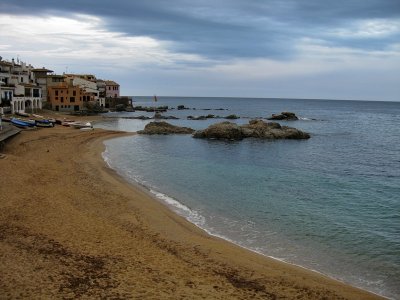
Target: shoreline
[
  {"x": 153, "y": 194},
  {"x": 96, "y": 234}
]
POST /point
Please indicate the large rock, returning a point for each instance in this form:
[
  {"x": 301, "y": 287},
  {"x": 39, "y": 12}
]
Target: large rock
[
  {"x": 255, "y": 129},
  {"x": 272, "y": 130},
  {"x": 285, "y": 115},
  {"x": 224, "y": 130},
  {"x": 164, "y": 128}
]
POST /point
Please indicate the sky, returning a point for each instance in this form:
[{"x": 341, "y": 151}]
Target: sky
[{"x": 314, "y": 49}]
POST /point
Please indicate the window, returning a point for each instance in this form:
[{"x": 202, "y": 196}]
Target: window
[
  {"x": 56, "y": 92},
  {"x": 74, "y": 93},
  {"x": 22, "y": 79},
  {"x": 62, "y": 99},
  {"x": 71, "y": 99}
]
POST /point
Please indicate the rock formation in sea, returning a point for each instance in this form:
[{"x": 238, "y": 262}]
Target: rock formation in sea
[
  {"x": 164, "y": 128},
  {"x": 201, "y": 117},
  {"x": 232, "y": 117},
  {"x": 162, "y": 117},
  {"x": 255, "y": 129},
  {"x": 285, "y": 115}
]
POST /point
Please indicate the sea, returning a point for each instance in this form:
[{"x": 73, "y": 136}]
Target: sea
[{"x": 330, "y": 203}]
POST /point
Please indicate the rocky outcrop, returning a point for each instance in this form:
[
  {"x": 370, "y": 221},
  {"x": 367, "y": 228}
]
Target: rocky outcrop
[
  {"x": 201, "y": 117},
  {"x": 224, "y": 130},
  {"x": 285, "y": 115},
  {"x": 255, "y": 129},
  {"x": 272, "y": 130},
  {"x": 164, "y": 128},
  {"x": 162, "y": 117},
  {"x": 150, "y": 109},
  {"x": 232, "y": 117}
]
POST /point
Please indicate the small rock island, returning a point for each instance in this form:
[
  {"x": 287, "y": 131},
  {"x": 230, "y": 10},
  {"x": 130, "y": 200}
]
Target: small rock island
[
  {"x": 255, "y": 129},
  {"x": 285, "y": 116},
  {"x": 164, "y": 128}
]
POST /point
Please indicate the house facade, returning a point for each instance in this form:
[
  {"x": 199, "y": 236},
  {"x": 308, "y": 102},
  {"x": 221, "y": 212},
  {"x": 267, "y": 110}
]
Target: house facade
[
  {"x": 42, "y": 80},
  {"x": 112, "y": 89},
  {"x": 67, "y": 96},
  {"x": 19, "y": 90}
]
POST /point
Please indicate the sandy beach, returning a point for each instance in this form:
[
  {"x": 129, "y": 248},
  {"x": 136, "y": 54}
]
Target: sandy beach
[{"x": 72, "y": 228}]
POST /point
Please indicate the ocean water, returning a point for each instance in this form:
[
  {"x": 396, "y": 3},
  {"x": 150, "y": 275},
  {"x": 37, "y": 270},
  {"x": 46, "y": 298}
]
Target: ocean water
[{"x": 330, "y": 203}]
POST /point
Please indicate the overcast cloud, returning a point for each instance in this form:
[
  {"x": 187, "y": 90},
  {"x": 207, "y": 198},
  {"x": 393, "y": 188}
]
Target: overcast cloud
[{"x": 287, "y": 48}]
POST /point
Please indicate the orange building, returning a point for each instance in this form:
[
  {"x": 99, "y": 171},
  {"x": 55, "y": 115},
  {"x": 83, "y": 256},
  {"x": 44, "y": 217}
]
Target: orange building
[{"x": 66, "y": 97}]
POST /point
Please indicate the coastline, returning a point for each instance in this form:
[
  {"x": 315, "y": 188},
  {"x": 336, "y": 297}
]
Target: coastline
[{"x": 78, "y": 229}]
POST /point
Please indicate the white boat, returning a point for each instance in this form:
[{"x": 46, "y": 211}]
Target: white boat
[
  {"x": 80, "y": 125},
  {"x": 37, "y": 116}
]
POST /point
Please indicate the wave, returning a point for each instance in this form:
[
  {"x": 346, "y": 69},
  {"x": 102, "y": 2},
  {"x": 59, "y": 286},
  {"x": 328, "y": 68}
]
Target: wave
[
  {"x": 181, "y": 209},
  {"x": 106, "y": 157}
]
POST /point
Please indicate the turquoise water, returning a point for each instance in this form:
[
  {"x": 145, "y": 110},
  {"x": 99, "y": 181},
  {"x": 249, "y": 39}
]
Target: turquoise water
[{"x": 330, "y": 203}]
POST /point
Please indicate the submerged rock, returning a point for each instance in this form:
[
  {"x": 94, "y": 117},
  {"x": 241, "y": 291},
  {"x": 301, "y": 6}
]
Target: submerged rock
[
  {"x": 164, "y": 128},
  {"x": 255, "y": 129},
  {"x": 285, "y": 115}
]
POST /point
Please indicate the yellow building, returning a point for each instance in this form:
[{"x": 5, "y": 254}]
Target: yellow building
[{"x": 64, "y": 96}]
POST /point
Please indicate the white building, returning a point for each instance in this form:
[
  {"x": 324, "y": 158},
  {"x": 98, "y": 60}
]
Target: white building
[
  {"x": 87, "y": 86},
  {"x": 19, "y": 90}
]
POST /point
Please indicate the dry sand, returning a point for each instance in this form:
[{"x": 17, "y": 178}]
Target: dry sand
[{"x": 71, "y": 228}]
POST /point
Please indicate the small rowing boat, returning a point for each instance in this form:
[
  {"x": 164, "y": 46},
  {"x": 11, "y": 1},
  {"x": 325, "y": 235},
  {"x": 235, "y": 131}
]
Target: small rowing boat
[
  {"x": 80, "y": 125},
  {"x": 22, "y": 114},
  {"x": 20, "y": 123},
  {"x": 44, "y": 125}
]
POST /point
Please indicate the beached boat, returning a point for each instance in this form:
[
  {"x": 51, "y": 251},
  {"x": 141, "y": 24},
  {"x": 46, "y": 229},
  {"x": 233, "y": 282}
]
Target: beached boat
[
  {"x": 44, "y": 125},
  {"x": 86, "y": 128},
  {"x": 53, "y": 121},
  {"x": 20, "y": 123},
  {"x": 37, "y": 116},
  {"x": 5, "y": 119},
  {"x": 42, "y": 121},
  {"x": 80, "y": 125},
  {"x": 67, "y": 123},
  {"x": 22, "y": 114},
  {"x": 29, "y": 121}
]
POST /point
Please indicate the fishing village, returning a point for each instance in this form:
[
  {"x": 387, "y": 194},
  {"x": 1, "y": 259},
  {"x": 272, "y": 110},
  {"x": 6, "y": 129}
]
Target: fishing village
[{"x": 25, "y": 91}]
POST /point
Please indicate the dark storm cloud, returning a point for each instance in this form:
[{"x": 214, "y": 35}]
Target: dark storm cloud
[{"x": 234, "y": 28}]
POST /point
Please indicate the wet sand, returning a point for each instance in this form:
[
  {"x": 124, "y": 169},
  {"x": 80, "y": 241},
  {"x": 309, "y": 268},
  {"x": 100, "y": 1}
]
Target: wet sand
[{"x": 70, "y": 228}]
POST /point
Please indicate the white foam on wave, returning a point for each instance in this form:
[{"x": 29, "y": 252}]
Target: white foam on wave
[
  {"x": 181, "y": 209},
  {"x": 106, "y": 157}
]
